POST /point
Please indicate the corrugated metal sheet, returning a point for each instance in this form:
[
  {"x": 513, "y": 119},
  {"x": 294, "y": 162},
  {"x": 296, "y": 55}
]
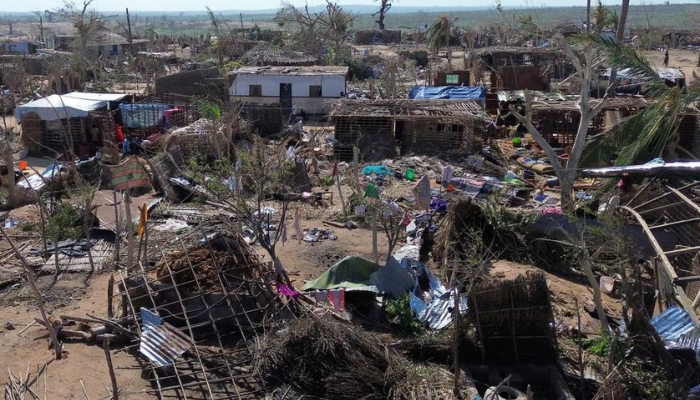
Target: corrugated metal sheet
[
  {"x": 672, "y": 323},
  {"x": 439, "y": 312},
  {"x": 689, "y": 340},
  {"x": 159, "y": 342},
  {"x": 38, "y": 181}
]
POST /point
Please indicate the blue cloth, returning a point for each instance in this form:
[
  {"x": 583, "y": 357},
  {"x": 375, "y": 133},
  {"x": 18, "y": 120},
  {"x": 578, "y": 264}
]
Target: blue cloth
[
  {"x": 447, "y": 92},
  {"x": 379, "y": 170},
  {"x": 438, "y": 205},
  {"x": 126, "y": 146},
  {"x": 137, "y": 116}
]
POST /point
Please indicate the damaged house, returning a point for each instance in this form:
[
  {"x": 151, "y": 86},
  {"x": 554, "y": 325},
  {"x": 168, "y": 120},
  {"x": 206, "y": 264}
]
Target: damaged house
[
  {"x": 379, "y": 127},
  {"x": 74, "y": 123},
  {"x": 308, "y": 88},
  {"x": 522, "y": 68}
]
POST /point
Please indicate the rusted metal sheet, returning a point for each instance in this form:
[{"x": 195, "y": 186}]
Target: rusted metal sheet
[{"x": 159, "y": 342}]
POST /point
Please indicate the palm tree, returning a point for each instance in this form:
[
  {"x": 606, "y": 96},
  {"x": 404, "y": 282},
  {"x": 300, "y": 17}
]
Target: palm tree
[
  {"x": 438, "y": 36},
  {"x": 652, "y": 132}
]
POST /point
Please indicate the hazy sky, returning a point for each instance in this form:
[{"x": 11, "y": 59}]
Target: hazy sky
[{"x": 190, "y": 5}]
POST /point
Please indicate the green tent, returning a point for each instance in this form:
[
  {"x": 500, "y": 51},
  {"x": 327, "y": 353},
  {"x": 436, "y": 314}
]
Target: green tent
[{"x": 348, "y": 273}]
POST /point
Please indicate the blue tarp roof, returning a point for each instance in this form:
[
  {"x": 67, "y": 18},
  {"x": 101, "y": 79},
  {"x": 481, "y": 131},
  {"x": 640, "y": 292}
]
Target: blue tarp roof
[{"x": 447, "y": 92}]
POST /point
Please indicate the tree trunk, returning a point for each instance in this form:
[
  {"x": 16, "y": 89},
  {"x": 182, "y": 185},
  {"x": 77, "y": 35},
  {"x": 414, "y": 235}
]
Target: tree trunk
[
  {"x": 13, "y": 196},
  {"x": 597, "y": 298},
  {"x": 87, "y": 214},
  {"x": 620, "y": 35}
]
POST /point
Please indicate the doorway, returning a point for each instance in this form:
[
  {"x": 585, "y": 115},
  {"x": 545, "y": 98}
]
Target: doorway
[{"x": 286, "y": 98}]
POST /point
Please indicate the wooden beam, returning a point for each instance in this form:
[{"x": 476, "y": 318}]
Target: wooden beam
[
  {"x": 666, "y": 264},
  {"x": 667, "y": 206},
  {"x": 685, "y": 198},
  {"x": 686, "y": 279},
  {"x": 655, "y": 199},
  {"x": 675, "y": 223},
  {"x": 683, "y": 250}
]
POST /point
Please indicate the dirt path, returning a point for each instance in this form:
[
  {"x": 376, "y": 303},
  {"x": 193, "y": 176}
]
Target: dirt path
[{"x": 305, "y": 261}]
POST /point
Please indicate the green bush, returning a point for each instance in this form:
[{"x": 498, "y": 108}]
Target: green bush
[
  {"x": 399, "y": 311},
  {"x": 66, "y": 223}
]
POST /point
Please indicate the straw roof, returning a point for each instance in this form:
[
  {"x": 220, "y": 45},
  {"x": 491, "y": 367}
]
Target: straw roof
[
  {"x": 409, "y": 109},
  {"x": 517, "y": 50},
  {"x": 265, "y": 54},
  {"x": 613, "y": 104}
]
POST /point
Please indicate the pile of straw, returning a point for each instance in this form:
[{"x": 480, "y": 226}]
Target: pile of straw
[{"x": 328, "y": 359}]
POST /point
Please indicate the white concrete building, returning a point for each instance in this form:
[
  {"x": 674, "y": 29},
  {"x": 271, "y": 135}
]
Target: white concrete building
[{"x": 312, "y": 89}]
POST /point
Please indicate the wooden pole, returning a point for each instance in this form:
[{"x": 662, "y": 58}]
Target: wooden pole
[
  {"x": 455, "y": 341},
  {"x": 580, "y": 352},
  {"x": 340, "y": 193},
  {"x": 112, "y": 376},
  {"x": 131, "y": 37},
  {"x": 374, "y": 234},
  {"x": 145, "y": 240},
  {"x": 118, "y": 238},
  {"x": 129, "y": 231},
  {"x": 110, "y": 296}
]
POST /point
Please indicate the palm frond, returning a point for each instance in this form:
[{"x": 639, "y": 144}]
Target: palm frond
[
  {"x": 641, "y": 137},
  {"x": 439, "y": 32},
  {"x": 619, "y": 56}
]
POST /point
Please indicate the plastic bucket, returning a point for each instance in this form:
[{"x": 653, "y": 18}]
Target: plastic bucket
[{"x": 22, "y": 164}]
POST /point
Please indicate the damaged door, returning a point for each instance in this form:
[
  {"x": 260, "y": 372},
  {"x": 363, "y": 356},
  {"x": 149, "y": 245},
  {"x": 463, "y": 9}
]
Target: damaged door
[{"x": 286, "y": 97}]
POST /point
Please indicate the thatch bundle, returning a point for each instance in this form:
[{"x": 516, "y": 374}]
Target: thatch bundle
[{"x": 328, "y": 359}]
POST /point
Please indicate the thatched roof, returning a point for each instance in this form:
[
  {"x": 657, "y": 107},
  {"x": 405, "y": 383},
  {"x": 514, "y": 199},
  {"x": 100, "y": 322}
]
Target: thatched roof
[
  {"x": 107, "y": 38},
  {"x": 517, "y": 50},
  {"x": 613, "y": 104},
  {"x": 558, "y": 102},
  {"x": 266, "y": 54},
  {"x": 409, "y": 109}
]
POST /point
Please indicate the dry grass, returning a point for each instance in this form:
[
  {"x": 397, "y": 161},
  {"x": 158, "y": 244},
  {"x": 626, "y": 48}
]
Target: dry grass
[{"x": 329, "y": 359}]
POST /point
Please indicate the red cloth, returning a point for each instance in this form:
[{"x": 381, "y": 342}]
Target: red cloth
[{"x": 118, "y": 133}]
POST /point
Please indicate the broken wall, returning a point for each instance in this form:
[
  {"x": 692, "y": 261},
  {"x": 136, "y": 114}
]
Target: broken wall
[
  {"x": 432, "y": 138},
  {"x": 267, "y": 119},
  {"x": 375, "y": 35},
  {"x": 374, "y": 137},
  {"x": 200, "y": 82},
  {"x": 522, "y": 78}
]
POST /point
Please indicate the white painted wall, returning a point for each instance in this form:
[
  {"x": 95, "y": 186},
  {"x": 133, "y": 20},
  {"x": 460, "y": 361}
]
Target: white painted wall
[{"x": 331, "y": 85}]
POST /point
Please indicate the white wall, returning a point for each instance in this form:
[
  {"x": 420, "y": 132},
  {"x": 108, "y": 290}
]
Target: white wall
[{"x": 331, "y": 86}]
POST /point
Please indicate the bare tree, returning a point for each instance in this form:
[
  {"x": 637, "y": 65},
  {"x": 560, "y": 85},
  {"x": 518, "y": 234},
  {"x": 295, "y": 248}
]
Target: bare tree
[
  {"x": 86, "y": 21},
  {"x": 88, "y": 25},
  {"x": 316, "y": 31},
  {"x": 567, "y": 174},
  {"x": 384, "y": 7}
]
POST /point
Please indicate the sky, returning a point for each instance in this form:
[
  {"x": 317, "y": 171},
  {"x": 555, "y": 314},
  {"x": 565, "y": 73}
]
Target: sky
[{"x": 189, "y": 5}]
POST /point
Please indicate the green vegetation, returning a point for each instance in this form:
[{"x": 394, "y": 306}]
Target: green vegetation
[
  {"x": 399, "y": 312},
  {"x": 65, "y": 223}
]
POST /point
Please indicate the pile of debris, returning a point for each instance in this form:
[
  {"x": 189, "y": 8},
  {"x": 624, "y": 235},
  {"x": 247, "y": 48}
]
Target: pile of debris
[{"x": 325, "y": 358}]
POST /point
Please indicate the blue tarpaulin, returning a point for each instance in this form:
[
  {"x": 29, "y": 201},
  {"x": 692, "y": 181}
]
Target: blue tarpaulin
[
  {"x": 447, "y": 92},
  {"x": 137, "y": 116}
]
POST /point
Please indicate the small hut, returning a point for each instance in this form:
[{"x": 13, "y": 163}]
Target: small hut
[
  {"x": 522, "y": 68},
  {"x": 414, "y": 126}
]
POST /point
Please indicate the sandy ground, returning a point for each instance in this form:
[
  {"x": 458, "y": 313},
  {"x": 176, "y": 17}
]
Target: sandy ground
[{"x": 81, "y": 362}]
